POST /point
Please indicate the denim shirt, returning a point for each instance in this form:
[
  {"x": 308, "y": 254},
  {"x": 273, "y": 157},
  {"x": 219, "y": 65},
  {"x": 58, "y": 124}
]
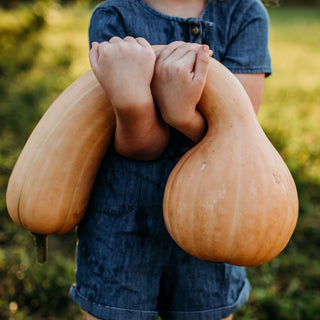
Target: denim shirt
[{"x": 236, "y": 30}]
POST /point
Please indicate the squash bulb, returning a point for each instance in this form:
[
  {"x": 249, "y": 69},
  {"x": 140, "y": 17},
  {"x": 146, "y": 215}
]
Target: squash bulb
[{"x": 231, "y": 198}]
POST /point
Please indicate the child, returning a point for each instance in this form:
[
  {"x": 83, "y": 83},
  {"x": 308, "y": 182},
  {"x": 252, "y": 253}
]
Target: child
[{"x": 128, "y": 267}]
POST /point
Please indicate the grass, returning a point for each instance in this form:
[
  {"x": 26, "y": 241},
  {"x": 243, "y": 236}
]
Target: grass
[{"x": 292, "y": 93}]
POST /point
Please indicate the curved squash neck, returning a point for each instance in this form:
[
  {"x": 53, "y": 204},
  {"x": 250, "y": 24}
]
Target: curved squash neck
[{"x": 224, "y": 100}]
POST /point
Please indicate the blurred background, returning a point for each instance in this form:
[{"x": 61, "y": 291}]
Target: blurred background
[{"x": 44, "y": 47}]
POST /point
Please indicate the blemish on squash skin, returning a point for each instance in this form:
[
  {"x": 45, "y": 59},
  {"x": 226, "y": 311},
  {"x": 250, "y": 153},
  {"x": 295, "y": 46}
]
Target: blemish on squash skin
[
  {"x": 203, "y": 165},
  {"x": 276, "y": 178}
]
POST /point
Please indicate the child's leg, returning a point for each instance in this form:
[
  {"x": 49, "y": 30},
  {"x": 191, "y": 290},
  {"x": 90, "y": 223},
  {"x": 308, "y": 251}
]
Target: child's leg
[
  {"x": 89, "y": 317},
  {"x": 93, "y": 318}
]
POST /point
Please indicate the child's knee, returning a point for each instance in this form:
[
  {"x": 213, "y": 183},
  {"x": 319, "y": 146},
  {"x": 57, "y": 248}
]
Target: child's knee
[{"x": 90, "y": 317}]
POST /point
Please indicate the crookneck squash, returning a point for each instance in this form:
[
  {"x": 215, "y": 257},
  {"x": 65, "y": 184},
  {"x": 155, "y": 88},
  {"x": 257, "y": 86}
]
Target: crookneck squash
[{"x": 231, "y": 198}]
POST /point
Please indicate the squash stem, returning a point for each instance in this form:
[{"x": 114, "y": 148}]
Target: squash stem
[{"x": 41, "y": 247}]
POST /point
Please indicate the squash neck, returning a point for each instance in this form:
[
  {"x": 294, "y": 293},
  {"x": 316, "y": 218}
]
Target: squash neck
[{"x": 224, "y": 100}]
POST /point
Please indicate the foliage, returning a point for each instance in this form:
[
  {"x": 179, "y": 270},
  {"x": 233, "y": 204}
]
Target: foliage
[
  {"x": 15, "y": 3},
  {"x": 11, "y": 4},
  {"x": 31, "y": 291},
  {"x": 289, "y": 286},
  {"x": 300, "y": 2},
  {"x": 37, "y": 40},
  {"x": 44, "y": 48}
]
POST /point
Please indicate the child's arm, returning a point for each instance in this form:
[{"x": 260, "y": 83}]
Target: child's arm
[
  {"x": 124, "y": 68},
  {"x": 180, "y": 74},
  {"x": 177, "y": 84}
]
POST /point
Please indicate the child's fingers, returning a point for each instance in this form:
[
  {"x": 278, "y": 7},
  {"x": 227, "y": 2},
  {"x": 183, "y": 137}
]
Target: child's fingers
[
  {"x": 94, "y": 54},
  {"x": 184, "y": 49},
  {"x": 115, "y": 40},
  {"x": 129, "y": 39},
  {"x": 143, "y": 42},
  {"x": 165, "y": 52},
  {"x": 202, "y": 64},
  {"x": 185, "y": 57},
  {"x": 103, "y": 46},
  {"x": 94, "y": 44}
]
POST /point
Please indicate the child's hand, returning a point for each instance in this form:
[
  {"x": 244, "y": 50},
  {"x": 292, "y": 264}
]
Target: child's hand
[
  {"x": 180, "y": 74},
  {"x": 124, "y": 68}
]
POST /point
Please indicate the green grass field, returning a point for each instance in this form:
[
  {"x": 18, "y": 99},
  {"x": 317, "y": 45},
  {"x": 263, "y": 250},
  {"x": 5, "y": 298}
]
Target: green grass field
[
  {"x": 292, "y": 94},
  {"x": 287, "y": 287}
]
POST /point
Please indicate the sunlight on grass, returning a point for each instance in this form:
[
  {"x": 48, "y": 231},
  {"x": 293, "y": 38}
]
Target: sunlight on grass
[
  {"x": 292, "y": 94},
  {"x": 66, "y": 38}
]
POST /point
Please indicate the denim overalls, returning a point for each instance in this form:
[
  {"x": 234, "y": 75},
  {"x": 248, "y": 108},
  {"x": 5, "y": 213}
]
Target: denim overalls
[{"x": 128, "y": 267}]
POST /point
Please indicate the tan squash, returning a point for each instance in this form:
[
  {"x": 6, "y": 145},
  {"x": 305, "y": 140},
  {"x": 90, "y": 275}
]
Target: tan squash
[
  {"x": 51, "y": 182},
  {"x": 231, "y": 198}
]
